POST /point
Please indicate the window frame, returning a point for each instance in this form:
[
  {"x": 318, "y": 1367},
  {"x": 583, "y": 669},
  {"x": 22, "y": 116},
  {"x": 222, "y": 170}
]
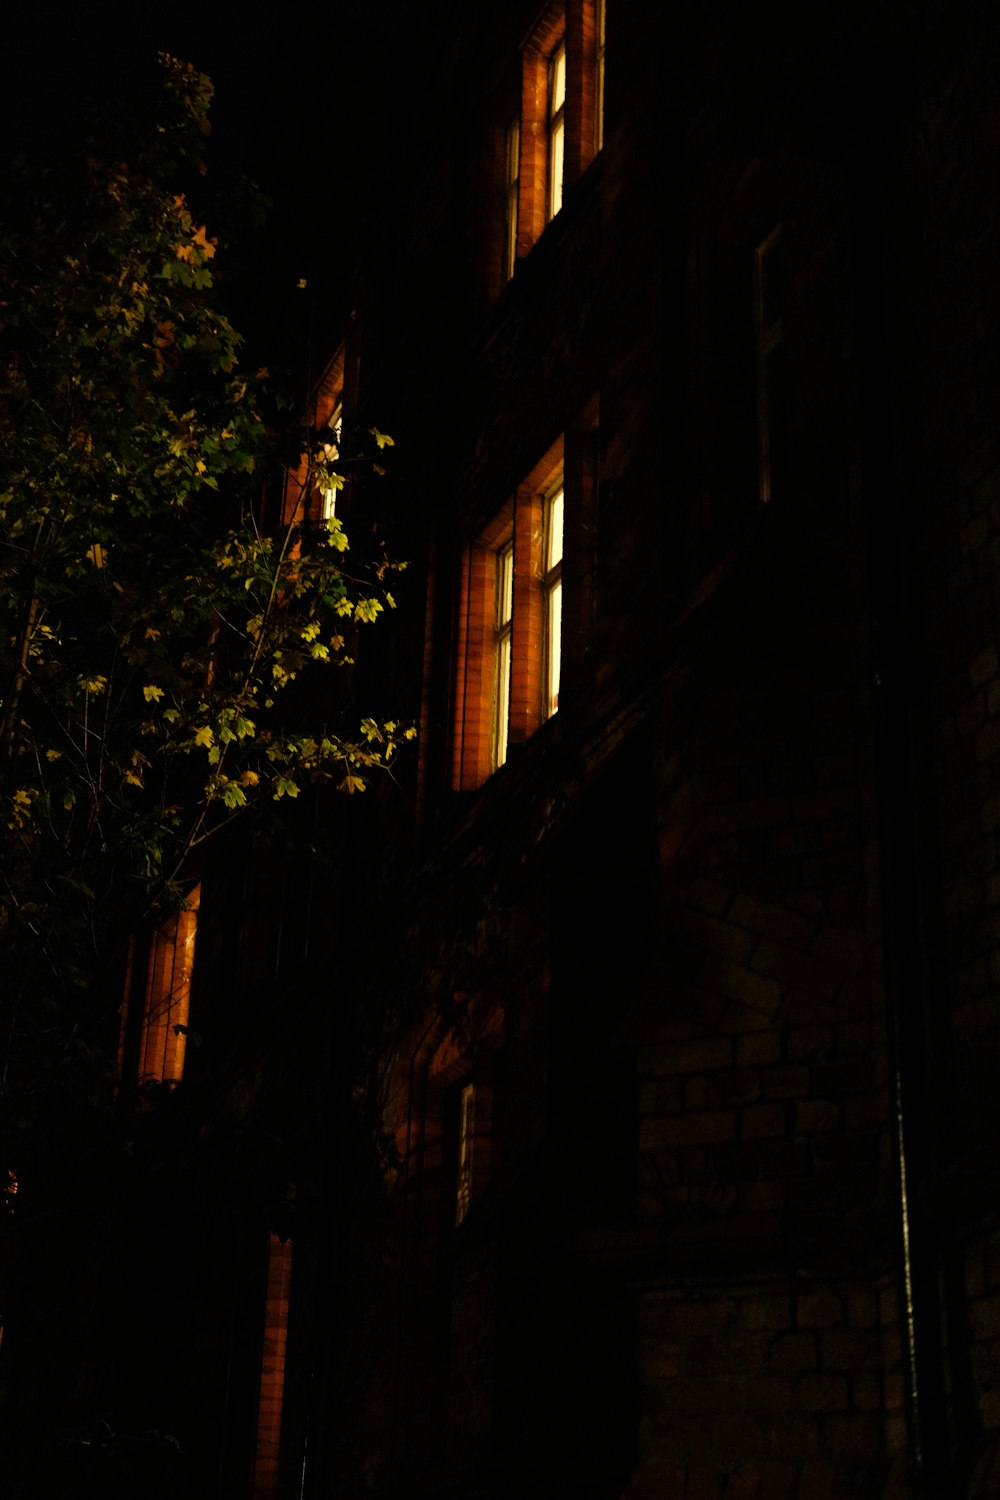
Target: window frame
[
  {"x": 332, "y": 403},
  {"x": 768, "y": 354},
  {"x": 155, "y": 1015},
  {"x": 552, "y": 583},
  {"x": 567, "y": 470},
  {"x": 558, "y": 133},
  {"x": 503, "y": 652},
  {"x": 501, "y": 700},
  {"x": 512, "y": 189},
  {"x": 555, "y": 131}
]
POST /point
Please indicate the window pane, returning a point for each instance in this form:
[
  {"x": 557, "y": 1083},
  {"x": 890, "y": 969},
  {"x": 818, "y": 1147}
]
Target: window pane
[
  {"x": 557, "y": 95},
  {"x": 557, "y": 128},
  {"x": 553, "y": 589},
  {"x": 504, "y": 616},
  {"x": 512, "y": 188},
  {"x": 555, "y": 648},
  {"x": 505, "y": 584},
  {"x": 599, "y": 123},
  {"x": 555, "y": 528},
  {"x": 556, "y": 167},
  {"x": 331, "y": 452},
  {"x": 502, "y": 702}
]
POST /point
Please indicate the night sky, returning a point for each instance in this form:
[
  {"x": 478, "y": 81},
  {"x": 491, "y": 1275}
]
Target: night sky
[{"x": 303, "y": 107}]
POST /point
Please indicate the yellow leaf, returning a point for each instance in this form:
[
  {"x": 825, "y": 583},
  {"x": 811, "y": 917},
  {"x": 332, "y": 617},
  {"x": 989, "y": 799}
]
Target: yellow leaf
[
  {"x": 151, "y": 693},
  {"x": 205, "y": 245},
  {"x": 203, "y": 736}
]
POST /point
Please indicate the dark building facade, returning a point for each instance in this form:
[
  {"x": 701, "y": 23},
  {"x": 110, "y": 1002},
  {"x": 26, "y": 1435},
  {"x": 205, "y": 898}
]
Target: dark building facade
[{"x": 693, "y": 1016}]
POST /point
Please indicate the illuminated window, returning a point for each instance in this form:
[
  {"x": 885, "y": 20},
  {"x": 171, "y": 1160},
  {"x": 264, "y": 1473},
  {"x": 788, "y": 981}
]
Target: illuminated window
[
  {"x": 328, "y": 490},
  {"x": 552, "y": 590},
  {"x": 510, "y": 636},
  {"x": 312, "y": 487},
  {"x": 556, "y": 129},
  {"x": 159, "y": 1042},
  {"x": 599, "y": 102},
  {"x": 502, "y": 651},
  {"x": 556, "y": 132},
  {"x": 769, "y": 350},
  {"x": 512, "y": 156},
  {"x": 525, "y": 608},
  {"x": 267, "y": 1447}
]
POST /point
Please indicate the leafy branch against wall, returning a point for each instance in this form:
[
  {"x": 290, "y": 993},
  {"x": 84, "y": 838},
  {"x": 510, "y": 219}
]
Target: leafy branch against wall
[{"x": 152, "y": 621}]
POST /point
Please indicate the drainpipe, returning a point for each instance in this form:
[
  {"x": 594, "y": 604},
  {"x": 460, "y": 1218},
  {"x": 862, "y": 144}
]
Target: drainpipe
[{"x": 898, "y": 742}]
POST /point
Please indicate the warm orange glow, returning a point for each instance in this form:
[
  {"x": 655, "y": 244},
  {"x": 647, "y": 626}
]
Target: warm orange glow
[
  {"x": 163, "y": 1037},
  {"x": 272, "y": 1370}
]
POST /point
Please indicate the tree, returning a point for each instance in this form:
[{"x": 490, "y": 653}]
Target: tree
[
  {"x": 151, "y": 624},
  {"x": 159, "y": 640}
]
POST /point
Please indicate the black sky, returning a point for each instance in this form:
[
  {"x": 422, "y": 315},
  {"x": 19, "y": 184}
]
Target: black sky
[{"x": 303, "y": 102}]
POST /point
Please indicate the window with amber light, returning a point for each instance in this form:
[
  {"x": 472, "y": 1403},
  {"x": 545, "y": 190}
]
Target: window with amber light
[
  {"x": 552, "y": 590},
  {"x": 267, "y": 1446},
  {"x": 510, "y": 635},
  {"x": 525, "y": 609},
  {"x": 307, "y": 497},
  {"x": 503, "y": 640},
  {"x": 557, "y": 130},
  {"x": 331, "y": 451},
  {"x": 512, "y": 168},
  {"x": 158, "y": 998},
  {"x": 599, "y": 77}
]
